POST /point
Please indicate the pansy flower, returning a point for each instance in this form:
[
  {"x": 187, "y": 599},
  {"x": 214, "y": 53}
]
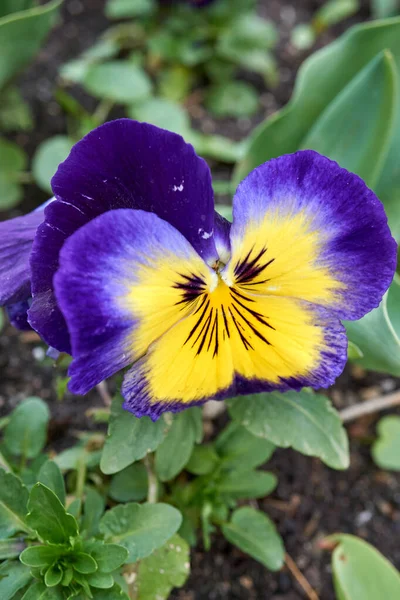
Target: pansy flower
[{"x": 132, "y": 267}]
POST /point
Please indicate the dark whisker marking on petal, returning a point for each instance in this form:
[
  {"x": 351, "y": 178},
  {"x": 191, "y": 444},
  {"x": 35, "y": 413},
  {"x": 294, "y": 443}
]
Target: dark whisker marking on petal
[
  {"x": 199, "y": 320},
  {"x": 260, "y": 317},
  {"x": 257, "y": 333},
  {"x": 232, "y": 290},
  {"x": 245, "y": 342},
  {"x": 225, "y": 323},
  {"x": 205, "y": 333},
  {"x": 253, "y": 272},
  {"x": 245, "y": 264}
]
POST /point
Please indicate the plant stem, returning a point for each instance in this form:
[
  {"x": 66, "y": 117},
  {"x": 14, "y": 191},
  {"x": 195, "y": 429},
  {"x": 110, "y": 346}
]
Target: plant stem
[
  {"x": 370, "y": 407},
  {"x": 299, "y": 577},
  {"x": 80, "y": 478},
  {"x": 102, "y": 110},
  {"x": 153, "y": 484},
  {"x": 104, "y": 393}
]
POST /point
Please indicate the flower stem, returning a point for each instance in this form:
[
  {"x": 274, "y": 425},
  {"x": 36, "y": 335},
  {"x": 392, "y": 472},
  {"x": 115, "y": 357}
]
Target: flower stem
[
  {"x": 370, "y": 406},
  {"x": 153, "y": 484}
]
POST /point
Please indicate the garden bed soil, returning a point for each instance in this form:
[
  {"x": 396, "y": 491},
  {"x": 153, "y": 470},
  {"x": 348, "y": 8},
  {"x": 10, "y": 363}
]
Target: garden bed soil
[{"x": 311, "y": 500}]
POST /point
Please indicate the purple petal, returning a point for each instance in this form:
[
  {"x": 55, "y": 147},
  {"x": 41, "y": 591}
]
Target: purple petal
[
  {"x": 17, "y": 313},
  {"x": 120, "y": 286},
  {"x": 312, "y": 230},
  {"x": 122, "y": 164},
  {"x": 16, "y": 237},
  {"x": 222, "y": 229}
]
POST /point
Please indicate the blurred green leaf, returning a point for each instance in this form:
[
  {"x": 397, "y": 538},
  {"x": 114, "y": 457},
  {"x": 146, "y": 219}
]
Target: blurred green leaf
[
  {"x": 2, "y": 319},
  {"x": 217, "y": 147},
  {"x": 175, "y": 83},
  {"x": 103, "y": 581},
  {"x": 12, "y": 162},
  {"x": 13, "y": 504},
  {"x": 108, "y": 557},
  {"x": 11, "y": 6},
  {"x": 41, "y": 556},
  {"x": 31, "y": 26},
  {"x": 163, "y": 113},
  {"x": 130, "y": 484},
  {"x": 76, "y": 70},
  {"x": 303, "y": 36},
  {"x": 246, "y": 484},
  {"x": 302, "y": 420},
  {"x": 333, "y": 12},
  {"x": 115, "y": 593},
  {"x": 353, "y": 351},
  {"x": 129, "y": 439},
  {"x": 120, "y": 81},
  {"x": 203, "y": 460},
  {"x": 255, "y": 534},
  {"x": 386, "y": 449},
  {"x": 174, "y": 451},
  {"x": 50, "y": 475},
  {"x": 73, "y": 457},
  {"x": 233, "y": 99},
  {"x": 53, "y": 575},
  {"x": 83, "y": 563},
  {"x": 320, "y": 79},
  {"x": 377, "y": 334},
  {"x": 93, "y": 510},
  {"x": 38, "y": 591},
  {"x": 11, "y": 548},
  {"x": 13, "y": 577},
  {"x": 125, "y": 9},
  {"x": 361, "y": 572},
  {"x": 224, "y": 211},
  {"x": 15, "y": 113},
  {"x": 163, "y": 570},
  {"x": 47, "y": 157},
  {"x": 241, "y": 449},
  {"x": 140, "y": 528},
  {"x": 26, "y": 432},
  {"x": 48, "y": 517},
  {"x": 384, "y": 8},
  {"x": 359, "y": 138}
]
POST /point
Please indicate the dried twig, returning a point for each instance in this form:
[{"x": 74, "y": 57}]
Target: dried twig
[
  {"x": 299, "y": 577},
  {"x": 370, "y": 406},
  {"x": 104, "y": 393}
]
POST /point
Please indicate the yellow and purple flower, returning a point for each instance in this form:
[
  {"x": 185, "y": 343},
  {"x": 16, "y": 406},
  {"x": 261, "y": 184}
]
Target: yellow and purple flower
[{"x": 132, "y": 266}]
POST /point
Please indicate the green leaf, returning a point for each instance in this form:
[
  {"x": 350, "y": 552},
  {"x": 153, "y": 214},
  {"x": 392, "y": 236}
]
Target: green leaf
[
  {"x": 53, "y": 576},
  {"x": 26, "y": 433},
  {"x": 254, "y": 533},
  {"x": 217, "y": 147},
  {"x": 246, "y": 484},
  {"x": 13, "y": 577},
  {"x": 356, "y": 128},
  {"x": 120, "y": 81},
  {"x": 163, "y": 113},
  {"x": 48, "y": 517},
  {"x": 384, "y": 8},
  {"x": 32, "y": 26},
  {"x": 83, "y": 563},
  {"x": 13, "y": 504},
  {"x": 15, "y": 114},
  {"x": 174, "y": 451},
  {"x": 129, "y": 439},
  {"x": 11, "y": 548},
  {"x": 233, "y": 99},
  {"x": 241, "y": 449},
  {"x": 115, "y": 593},
  {"x": 12, "y": 161},
  {"x": 38, "y": 591},
  {"x": 47, "y": 157},
  {"x": 41, "y": 556},
  {"x": 130, "y": 485},
  {"x": 140, "y": 528},
  {"x": 353, "y": 351},
  {"x": 71, "y": 458},
  {"x": 303, "y": 36},
  {"x": 320, "y": 79},
  {"x": 93, "y": 510},
  {"x": 377, "y": 335},
  {"x": 11, "y": 6},
  {"x": 165, "y": 569},
  {"x": 99, "y": 580},
  {"x": 386, "y": 449},
  {"x": 203, "y": 460},
  {"x": 50, "y": 475},
  {"x": 303, "y": 420},
  {"x": 108, "y": 557},
  {"x": 333, "y": 12},
  {"x": 361, "y": 572},
  {"x": 125, "y": 9}
]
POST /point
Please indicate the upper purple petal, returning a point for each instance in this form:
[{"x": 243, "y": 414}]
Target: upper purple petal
[
  {"x": 352, "y": 240},
  {"x": 16, "y": 237},
  {"x": 122, "y": 164}
]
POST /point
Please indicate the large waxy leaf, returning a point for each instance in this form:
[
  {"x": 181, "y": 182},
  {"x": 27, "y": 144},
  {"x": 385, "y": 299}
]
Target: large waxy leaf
[
  {"x": 303, "y": 420},
  {"x": 129, "y": 439},
  {"x": 254, "y": 533},
  {"x": 320, "y": 80},
  {"x": 361, "y": 572},
  {"x": 130, "y": 485},
  {"x": 26, "y": 432},
  {"x": 356, "y": 128},
  {"x": 174, "y": 451},
  {"x": 163, "y": 570},
  {"x": 386, "y": 449},
  {"x": 13, "y": 504},
  {"x": 140, "y": 528},
  {"x": 31, "y": 26},
  {"x": 240, "y": 449},
  {"x": 48, "y": 517},
  {"x": 377, "y": 334}
]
